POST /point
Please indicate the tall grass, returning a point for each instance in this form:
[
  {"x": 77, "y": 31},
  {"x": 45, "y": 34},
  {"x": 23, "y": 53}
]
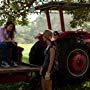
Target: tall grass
[{"x": 25, "y": 52}]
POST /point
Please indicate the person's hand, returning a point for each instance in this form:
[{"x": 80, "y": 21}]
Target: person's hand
[
  {"x": 47, "y": 76},
  {"x": 8, "y": 40},
  {"x": 14, "y": 43},
  {"x": 41, "y": 70}
]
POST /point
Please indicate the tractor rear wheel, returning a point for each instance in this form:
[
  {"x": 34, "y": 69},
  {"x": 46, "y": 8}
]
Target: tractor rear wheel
[{"x": 74, "y": 63}]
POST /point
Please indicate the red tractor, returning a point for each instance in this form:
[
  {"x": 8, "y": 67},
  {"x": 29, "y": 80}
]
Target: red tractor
[
  {"x": 73, "y": 55},
  {"x": 73, "y": 49}
]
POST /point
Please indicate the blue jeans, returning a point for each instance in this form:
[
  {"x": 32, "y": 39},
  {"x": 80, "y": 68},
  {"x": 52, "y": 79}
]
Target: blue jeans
[{"x": 5, "y": 51}]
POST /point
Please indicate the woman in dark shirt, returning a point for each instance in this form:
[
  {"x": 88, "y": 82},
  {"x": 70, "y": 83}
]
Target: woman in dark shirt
[
  {"x": 49, "y": 59},
  {"x": 36, "y": 54}
]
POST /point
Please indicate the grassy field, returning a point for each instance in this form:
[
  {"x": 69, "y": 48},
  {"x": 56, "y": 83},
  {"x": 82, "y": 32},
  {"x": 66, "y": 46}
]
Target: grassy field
[{"x": 26, "y": 51}]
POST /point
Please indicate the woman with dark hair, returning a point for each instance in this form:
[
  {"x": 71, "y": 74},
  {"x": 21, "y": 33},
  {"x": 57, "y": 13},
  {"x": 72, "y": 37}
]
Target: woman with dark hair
[
  {"x": 10, "y": 29},
  {"x": 36, "y": 54},
  {"x": 7, "y": 42}
]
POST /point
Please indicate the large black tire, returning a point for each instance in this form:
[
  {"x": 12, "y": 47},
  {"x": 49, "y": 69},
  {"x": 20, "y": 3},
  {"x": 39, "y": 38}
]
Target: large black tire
[{"x": 74, "y": 62}]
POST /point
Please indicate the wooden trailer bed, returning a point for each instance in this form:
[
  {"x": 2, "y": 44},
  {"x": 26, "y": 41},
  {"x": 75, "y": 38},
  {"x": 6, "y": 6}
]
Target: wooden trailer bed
[
  {"x": 18, "y": 69},
  {"x": 21, "y": 73}
]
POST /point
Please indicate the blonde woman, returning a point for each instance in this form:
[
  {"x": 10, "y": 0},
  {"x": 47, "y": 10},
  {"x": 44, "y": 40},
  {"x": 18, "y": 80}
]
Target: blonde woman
[{"x": 49, "y": 59}]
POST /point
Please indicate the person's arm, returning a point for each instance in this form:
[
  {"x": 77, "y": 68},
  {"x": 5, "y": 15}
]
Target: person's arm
[
  {"x": 8, "y": 39},
  {"x": 52, "y": 57},
  {"x": 1, "y": 35}
]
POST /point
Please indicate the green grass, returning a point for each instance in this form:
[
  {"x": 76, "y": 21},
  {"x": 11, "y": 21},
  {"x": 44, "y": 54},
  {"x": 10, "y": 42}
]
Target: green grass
[
  {"x": 25, "y": 52},
  {"x": 16, "y": 86}
]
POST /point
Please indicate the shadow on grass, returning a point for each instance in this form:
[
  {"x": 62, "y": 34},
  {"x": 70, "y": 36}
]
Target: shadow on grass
[
  {"x": 16, "y": 86},
  {"x": 83, "y": 86},
  {"x": 28, "y": 86}
]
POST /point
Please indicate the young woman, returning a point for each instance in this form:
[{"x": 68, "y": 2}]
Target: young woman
[
  {"x": 46, "y": 69},
  {"x": 7, "y": 33},
  {"x": 7, "y": 41}
]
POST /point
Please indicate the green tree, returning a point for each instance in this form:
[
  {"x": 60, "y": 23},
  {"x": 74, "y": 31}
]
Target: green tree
[
  {"x": 17, "y": 10},
  {"x": 24, "y": 34},
  {"x": 80, "y": 16}
]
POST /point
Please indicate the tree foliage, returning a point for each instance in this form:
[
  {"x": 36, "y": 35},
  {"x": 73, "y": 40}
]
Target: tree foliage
[
  {"x": 80, "y": 15},
  {"x": 26, "y": 34},
  {"x": 17, "y": 10}
]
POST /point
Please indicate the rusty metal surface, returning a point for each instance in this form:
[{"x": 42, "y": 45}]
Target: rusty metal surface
[
  {"x": 61, "y": 5},
  {"x": 20, "y": 68}
]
